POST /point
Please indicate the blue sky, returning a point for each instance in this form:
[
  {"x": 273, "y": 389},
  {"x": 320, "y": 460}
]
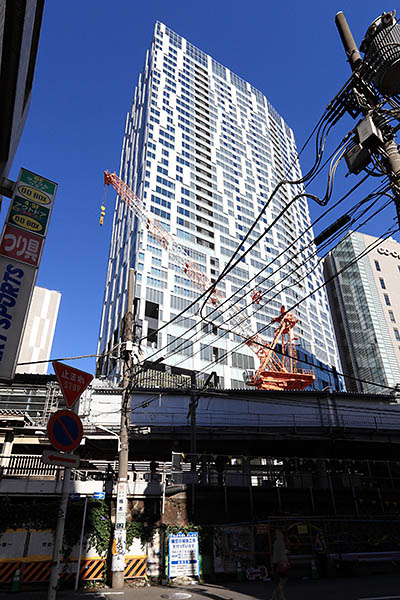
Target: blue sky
[{"x": 90, "y": 55}]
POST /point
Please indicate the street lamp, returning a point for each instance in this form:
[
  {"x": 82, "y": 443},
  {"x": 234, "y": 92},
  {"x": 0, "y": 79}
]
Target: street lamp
[{"x": 112, "y": 433}]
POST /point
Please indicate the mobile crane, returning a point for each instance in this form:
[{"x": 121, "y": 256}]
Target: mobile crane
[{"x": 275, "y": 372}]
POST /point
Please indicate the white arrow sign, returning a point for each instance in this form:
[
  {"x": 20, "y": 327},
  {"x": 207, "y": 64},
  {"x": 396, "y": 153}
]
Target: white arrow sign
[{"x": 49, "y": 457}]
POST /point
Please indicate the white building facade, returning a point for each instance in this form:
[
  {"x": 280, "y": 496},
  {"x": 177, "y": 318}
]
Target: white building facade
[
  {"x": 39, "y": 330},
  {"x": 203, "y": 149}
]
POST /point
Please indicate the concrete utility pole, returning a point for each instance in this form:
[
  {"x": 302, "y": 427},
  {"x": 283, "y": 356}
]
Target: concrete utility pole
[
  {"x": 119, "y": 543},
  {"x": 195, "y": 396},
  {"x": 381, "y": 49},
  {"x": 193, "y": 426}
]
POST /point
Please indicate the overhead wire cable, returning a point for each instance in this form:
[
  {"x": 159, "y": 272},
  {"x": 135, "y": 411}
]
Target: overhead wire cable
[
  {"x": 318, "y": 158},
  {"x": 268, "y": 325},
  {"x": 244, "y": 285},
  {"x": 260, "y": 331},
  {"x": 242, "y": 343},
  {"x": 308, "y": 177},
  {"x": 368, "y": 249},
  {"x": 319, "y": 149},
  {"x": 256, "y": 275},
  {"x": 212, "y": 287}
]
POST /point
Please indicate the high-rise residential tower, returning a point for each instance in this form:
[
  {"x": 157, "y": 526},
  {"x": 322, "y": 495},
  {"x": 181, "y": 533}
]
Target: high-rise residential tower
[
  {"x": 204, "y": 149},
  {"x": 365, "y": 305}
]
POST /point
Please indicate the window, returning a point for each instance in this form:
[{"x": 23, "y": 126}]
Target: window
[
  {"x": 387, "y": 300},
  {"x": 396, "y": 334},
  {"x": 242, "y": 361},
  {"x": 377, "y": 265},
  {"x": 382, "y": 282},
  {"x": 391, "y": 315},
  {"x": 180, "y": 345}
]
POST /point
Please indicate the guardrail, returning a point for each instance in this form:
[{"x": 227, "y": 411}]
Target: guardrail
[{"x": 26, "y": 465}]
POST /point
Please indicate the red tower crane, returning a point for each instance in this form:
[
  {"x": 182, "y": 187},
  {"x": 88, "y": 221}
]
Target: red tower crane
[{"x": 275, "y": 372}]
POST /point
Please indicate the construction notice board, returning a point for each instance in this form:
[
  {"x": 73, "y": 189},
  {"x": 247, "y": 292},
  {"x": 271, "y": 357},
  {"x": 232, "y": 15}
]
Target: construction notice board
[{"x": 183, "y": 555}]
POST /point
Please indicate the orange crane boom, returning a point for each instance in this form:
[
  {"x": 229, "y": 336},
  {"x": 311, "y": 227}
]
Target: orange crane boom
[{"x": 274, "y": 372}]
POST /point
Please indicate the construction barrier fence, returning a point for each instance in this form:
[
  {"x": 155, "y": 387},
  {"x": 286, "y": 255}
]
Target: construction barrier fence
[
  {"x": 91, "y": 569},
  {"x": 135, "y": 566}
]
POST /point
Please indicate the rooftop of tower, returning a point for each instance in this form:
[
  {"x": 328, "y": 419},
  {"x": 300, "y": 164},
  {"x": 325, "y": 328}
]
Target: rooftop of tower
[{"x": 218, "y": 69}]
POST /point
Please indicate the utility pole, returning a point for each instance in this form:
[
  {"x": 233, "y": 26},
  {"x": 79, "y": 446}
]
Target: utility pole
[
  {"x": 377, "y": 74},
  {"x": 194, "y": 398},
  {"x": 119, "y": 543}
]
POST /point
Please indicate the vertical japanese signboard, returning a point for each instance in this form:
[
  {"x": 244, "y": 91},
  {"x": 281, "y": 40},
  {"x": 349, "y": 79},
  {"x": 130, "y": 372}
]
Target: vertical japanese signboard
[
  {"x": 21, "y": 247},
  {"x": 119, "y": 542},
  {"x": 183, "y": 555}
]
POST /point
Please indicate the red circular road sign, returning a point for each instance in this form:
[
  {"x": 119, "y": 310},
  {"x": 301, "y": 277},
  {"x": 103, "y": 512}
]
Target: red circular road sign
[{"x": 65, "y": 430}]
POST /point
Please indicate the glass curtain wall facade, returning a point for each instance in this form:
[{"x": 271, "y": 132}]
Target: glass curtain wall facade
[
  {"x": 365, "y": 305},
  {"x": 204, "y": 149}
]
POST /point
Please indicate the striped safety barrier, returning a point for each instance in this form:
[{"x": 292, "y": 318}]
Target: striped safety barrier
[
  {"x": 91, "y": 569},
  {"x": 135, "y": 566},
  {"x": 37, "y": 571},
  {"x": 7, "y": 570}
]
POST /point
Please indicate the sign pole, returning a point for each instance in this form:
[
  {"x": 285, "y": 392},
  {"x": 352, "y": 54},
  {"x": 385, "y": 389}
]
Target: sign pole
[
  {"x": 62, "y": 511},
  {"x": 78, "y": 568}
]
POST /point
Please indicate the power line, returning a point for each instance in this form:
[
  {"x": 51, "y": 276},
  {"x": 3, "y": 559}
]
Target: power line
[
  {"x": 287, "y": 262},
  {"x": 37, "y": 362},
  {"x": 311, "y": 293},
  {"x": 241, "y": 257},
  {"x": 193, "y": 303},
  {"x": 319, "y": 150},
  {"x": 230, "y": 264},
  {"x": 368, "y": 249},
  {"x": 193, "y": 327}
]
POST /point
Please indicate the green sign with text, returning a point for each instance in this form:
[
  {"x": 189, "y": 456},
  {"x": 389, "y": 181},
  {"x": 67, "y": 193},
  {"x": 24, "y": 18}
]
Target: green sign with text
[
  {"x": 28, "y": 215},
  {"x": 37, "y": 182}
]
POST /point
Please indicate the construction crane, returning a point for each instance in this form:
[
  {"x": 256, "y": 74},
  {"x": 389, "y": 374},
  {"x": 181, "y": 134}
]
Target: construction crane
[{"x": 275, "y": 372}]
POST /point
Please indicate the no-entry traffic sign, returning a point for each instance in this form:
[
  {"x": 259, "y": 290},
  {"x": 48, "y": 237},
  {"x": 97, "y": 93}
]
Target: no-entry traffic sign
[
  {"x": 73, "y": 382},
  {"x": 65, "y": 430}
]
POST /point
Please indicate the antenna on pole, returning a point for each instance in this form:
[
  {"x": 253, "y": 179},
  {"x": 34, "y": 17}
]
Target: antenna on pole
[{"x": 350, "y": 47}]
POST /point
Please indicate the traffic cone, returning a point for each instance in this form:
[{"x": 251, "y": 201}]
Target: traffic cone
[
  {"x": 16, "y": 582},
  {"x": 314, "y": 570}
]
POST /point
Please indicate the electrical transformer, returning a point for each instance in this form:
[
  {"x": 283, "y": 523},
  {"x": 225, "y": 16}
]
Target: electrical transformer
[{"x": 381, "y": 47}]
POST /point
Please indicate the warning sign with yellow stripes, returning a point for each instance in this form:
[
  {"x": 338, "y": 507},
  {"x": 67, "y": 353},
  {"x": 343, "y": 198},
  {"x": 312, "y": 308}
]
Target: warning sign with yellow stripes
[
  {"x": 92, "y": 569},
  {"x": 36, "y": 571},
  {"x": 135, "y": 566}
]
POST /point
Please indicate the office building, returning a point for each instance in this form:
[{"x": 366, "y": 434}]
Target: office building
[
  {"x": 39, "y": 331},
  {"x": 204, "y": 149},
  {"x": 365, "y": 306}
]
